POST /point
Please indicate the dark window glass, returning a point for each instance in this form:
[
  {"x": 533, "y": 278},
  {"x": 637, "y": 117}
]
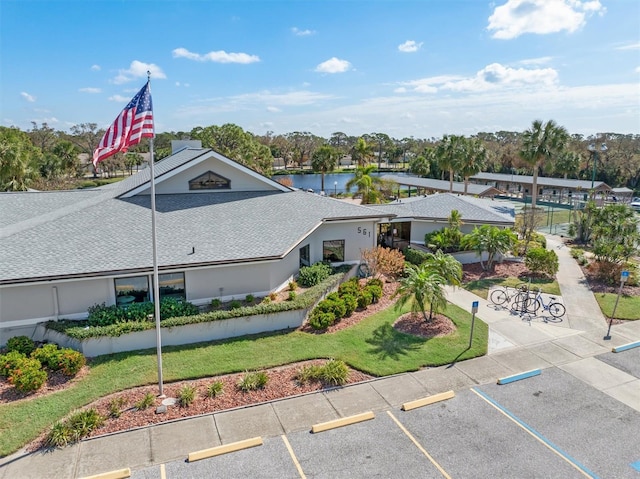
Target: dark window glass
[
  {"x": 172, "y": 285},
  {"x": 210, "y": 181},
  {"x": 333, "y": 251},
  {"x": 305, "y": 256},
  {"x": 132, "y": 290}
]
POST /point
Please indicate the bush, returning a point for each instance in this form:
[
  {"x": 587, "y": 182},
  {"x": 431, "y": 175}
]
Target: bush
[
  {"x": 520, "y": 246},
  {"x": 66, "y": 360},
  {"x": 314, "y": 274},
  {"x": 28, "y": 376},
  {"x": 351, "y": 287},
  {"x": 186, "y": 395},
  {"x": 540, "y": 239},
  {"x": 215, "y": 303},
  {"x": 335, "y": 372},
  {"x": 173, "y": 307},
  {"x": 74, "y": 428},
  {"x": 235, "y": 304},
  {"x": 307, "y": 374},
  {"x": 292, "y": 295},
  {"x": 249, "y": 299},
  {"x": 215, "y": 389},
  {"x": 10, "y": 361},
  {"x": 333, "y": 305},
  {"x": 146, "y": 402},
  {"x": 293, "y": 285},
  {"x": 375, "y": 291},
  {"x": 48, "y": 355},
  {"x": 103, "y": 315},
  {"x": 364, "y": 299},
  {"x": 321, "y": 320},
  {"x": 21, "y": 344},
  {"x": 350, "y": 304},
  {"x": 539, "y": 260},
  {"x": 115, "y": 407},
  {"x": 252, "y": 381},
  {"x": 415, "y": 256}
]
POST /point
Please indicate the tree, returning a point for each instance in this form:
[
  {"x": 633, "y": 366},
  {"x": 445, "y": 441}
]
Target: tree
[
  {"x": 17, "y": 159},
  {"x": 541, "y": 142},
  {"x": 446, "y": 266},
  {"x": 419, "y": 287},
  {"x": 472, "y": 159},
  {"x": 324, "y": 160},
  {"x": 568, "y": 162},
  {"x": 449, "y": 153},
  {"x": 361, "y": 152},
  {"x": 370, "y": 187},
  {"x": 421, "y": 164},
  {"x": 614, "y": 233},
  {"x": 492, "y": 240},
  {"x": 383, "y": 261}
]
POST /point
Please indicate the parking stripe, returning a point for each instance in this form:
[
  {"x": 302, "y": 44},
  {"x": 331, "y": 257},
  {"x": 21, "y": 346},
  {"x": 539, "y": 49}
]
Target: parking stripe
[
  {"x": 293, "y": 457},
  {"x": 163, "y": 472},
  {"x": 419, "y": 446},
  {"x": 583, "y": 469}
]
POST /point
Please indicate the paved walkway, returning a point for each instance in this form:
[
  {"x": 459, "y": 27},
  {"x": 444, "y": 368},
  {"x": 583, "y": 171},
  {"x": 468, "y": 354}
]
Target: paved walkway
[{"x": 515, "y": 345}]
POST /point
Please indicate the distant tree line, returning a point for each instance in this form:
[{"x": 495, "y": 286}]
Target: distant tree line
[{"x": 44, "y": 158}]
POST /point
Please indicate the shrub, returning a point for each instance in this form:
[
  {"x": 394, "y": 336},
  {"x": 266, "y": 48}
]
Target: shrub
[
  {"x": 351, "y": 286},
  {"x": 520, "y": 246},
  {"x": 214, "y": 389},
  {"x": 21, "y": 344},
  {"x": 10, "y": 361},
  {"x": 266, "y": 300},
  {"x": 74, "y": 428},
  {"x": 292, "y": 296},
  {"x": 540, "y": 239},
  {"x": 215, "y": 303},
  {"x": 334, "y": 305},
  {"x": 364, "y": 299},
  {"x": 273, "y": 296},
  {"x": 307, "y": 374},
  {"x": 186, "y": 395},
  {"x": 249, "y": 299},
  {"x": 321, "y": 320},
  {"x": 174, "y": 307},
  {"x": 314, "y": 274},
  {"x": 335, "y": 372},
  {"x": 539, "y": 260},
  {"x": 102, "y": 315},
  {"x": 48, "y": 355},
  {"x": 350, "y": 304},
  {"x": 252, "y": 381},
  {"x": 235, "y": 304},
  {"x": 293, "y": 285},
  {"x": 375, "y": 291},
  {"x": 375, "y": 282},
  {"x": 28, "y": 376},
  {"x": 70, "y": 362},
  {"x": 415, "y": 256},
  {"x": 115, "y": 407},
  {"x": 146, "y": 402}
]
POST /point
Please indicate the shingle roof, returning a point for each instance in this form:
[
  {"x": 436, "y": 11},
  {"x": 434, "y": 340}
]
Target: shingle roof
[
  {"x": 542, "y": 181},
  {"x": 115, "y": 234},
  {"x": 440, "y": 205},
  {"x": 442, "y": 185}
]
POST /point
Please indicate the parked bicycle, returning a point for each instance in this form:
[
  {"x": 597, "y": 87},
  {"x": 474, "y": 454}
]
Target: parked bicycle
[
  {"x": 502, "y": 296},
  {"x": 554, "y": 307}
]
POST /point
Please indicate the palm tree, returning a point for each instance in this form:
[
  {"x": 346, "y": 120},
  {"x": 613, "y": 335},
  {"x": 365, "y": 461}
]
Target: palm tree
[
  {"x": 473, "y": 160},
  {"x": 541, "y": 142},
  {"x": 449, "y": 152},
  {"x": 368, "y": 186},
  {"x": 446, "y": 266},
  {"x": 361, "y": 152},
  {"x": 324, "y": 159},
  {"x": 492, "y": 240},
  {"x": 419, "y": 287}
]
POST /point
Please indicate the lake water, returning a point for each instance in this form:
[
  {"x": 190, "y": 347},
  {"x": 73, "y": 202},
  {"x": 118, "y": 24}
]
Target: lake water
[{"x": 333, "y": 182}]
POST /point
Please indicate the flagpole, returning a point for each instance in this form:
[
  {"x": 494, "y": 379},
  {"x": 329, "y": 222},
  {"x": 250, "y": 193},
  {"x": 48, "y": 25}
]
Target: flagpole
[{"x": 156, "y": 283}]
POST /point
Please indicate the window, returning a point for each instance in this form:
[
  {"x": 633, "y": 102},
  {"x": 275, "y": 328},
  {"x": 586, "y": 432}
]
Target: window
[
  {"x": 305, "y": 256},
  {"x": 132, "y": 290},
  {"x": 171, "y": 285},
  {"x": 210, "y": 181},
  {"x": 333, "y": 251}
]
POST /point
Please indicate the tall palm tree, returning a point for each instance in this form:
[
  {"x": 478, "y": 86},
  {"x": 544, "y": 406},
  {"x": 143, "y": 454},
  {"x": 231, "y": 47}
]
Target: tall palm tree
[
  {"x": 539, "y": 143},
  {"x": 492, "y": 240},
  {"x": 449, "y": 152},
  {"x": 323, "y": 160},
  {"x": 361, "y": 152},
  {"x": 473, "y": 160},
  {"x": 368, "y": 186},
  {"x": 419, "y": 287}
]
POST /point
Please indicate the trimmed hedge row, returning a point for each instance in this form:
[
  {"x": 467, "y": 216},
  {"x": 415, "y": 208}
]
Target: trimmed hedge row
[{"x": 81, "y": 330}]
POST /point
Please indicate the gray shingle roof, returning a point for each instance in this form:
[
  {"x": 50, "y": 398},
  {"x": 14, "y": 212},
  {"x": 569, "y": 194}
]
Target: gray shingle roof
[
  {"x": 115, "y": 234},
  {"x": 542, "y": 181},
  {"x": 441, "y": 185},
  {"x": 440, "y": 205}
]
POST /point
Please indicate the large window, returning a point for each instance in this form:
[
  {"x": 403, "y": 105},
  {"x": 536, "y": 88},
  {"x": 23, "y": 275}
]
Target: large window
[
  {"x": 210, "y": 181},
  {"x": 333, "y": 251},
  {"x": 305, "y": 256},
  {"x": 132, "y": 290},
  {"x": 136, "y": 288}
]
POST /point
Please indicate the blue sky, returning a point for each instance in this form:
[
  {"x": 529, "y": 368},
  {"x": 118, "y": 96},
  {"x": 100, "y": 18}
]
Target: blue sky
[{"x": 405, "y": 68}]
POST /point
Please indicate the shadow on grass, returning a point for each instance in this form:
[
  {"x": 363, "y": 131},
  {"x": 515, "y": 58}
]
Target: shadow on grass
[{"x": 389, "y": 343}]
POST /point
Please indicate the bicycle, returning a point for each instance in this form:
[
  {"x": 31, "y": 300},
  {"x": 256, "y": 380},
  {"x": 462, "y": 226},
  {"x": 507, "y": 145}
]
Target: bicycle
[
  {"x": 555, "y": 308},
  {"x": 504, "y": 295}
]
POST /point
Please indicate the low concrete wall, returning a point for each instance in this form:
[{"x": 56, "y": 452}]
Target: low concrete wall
[
  {"x": 187, "y": 334},
  {"x": 467, "y": 257}
]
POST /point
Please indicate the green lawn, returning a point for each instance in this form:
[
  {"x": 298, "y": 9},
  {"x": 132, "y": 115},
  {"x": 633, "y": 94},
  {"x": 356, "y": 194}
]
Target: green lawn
[
  {"x": 372, "y": 346},
  {"x": 628, "y": 306},
  {"x": 481, "y": 287}
]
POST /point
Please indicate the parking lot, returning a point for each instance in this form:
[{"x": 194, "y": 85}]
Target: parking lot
[{"x": 552, "y": 425}]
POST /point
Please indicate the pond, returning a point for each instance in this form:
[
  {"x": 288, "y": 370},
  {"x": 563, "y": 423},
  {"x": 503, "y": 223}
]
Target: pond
[{"x": 333, "y": 182}]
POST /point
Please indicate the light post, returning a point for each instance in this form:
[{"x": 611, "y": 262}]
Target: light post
[
  {"x": 623, "y": 277},
  {"x": 335, "y": 189},
  {"x": 594, "y": 153}
]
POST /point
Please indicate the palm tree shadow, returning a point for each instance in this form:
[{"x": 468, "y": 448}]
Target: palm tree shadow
[{"x": 386, "y": 342}]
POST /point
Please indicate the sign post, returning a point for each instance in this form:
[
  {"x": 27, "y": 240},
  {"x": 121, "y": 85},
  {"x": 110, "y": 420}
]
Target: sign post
[
  {"x": 623, "y": 277},
  {"x": 474, "y": 310}
]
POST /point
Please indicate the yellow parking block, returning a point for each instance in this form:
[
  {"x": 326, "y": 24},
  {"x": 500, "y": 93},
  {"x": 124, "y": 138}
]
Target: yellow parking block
[
  {"x": 224, "y": 449},
  {"x": 344, "y": 421},
  {"x": 119, "y": 474},
  {"x": 428, "y": 400}
]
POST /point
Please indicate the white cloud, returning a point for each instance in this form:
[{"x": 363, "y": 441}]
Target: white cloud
[
  {"x": 302, "y": 33},
  {"x": 120, "y": 99},
  {"x": 637, "y": 70},
  {"x": 184, "y": 85},
  {"x": 409, "y": 46},
  {"x": 334, "y": 65},
  {"x": 90, "y": 90},
  {"x": 28, "y": 97},
  {"x": 273, "y": 109},
  {"x": 630, "y": 46},
  {"x": 536, "y": 61},
  {"x": 517, "y": 17},
  {"x": 95, "y": 68},
  {"x": 138, "y": 70},
  {"x": 491, "y": 77},
  {"x": 217, "y": 57}
]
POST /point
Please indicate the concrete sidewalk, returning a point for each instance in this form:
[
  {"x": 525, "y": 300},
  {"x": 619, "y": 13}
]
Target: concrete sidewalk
[{"x": 515, "y": 345}]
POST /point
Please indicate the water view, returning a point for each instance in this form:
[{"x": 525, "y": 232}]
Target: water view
[{"x": 333, "y": 182}]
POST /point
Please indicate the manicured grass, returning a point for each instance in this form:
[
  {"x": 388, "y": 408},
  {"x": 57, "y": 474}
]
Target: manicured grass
[
  {"x": 481, "y": 287},
  {"x": 628, "y": 306},
  {"x": 372, "y": 346}
]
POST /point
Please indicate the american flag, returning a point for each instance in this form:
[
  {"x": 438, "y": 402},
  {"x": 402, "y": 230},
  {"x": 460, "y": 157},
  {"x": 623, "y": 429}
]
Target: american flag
[{"x": 133, "y": 123}]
